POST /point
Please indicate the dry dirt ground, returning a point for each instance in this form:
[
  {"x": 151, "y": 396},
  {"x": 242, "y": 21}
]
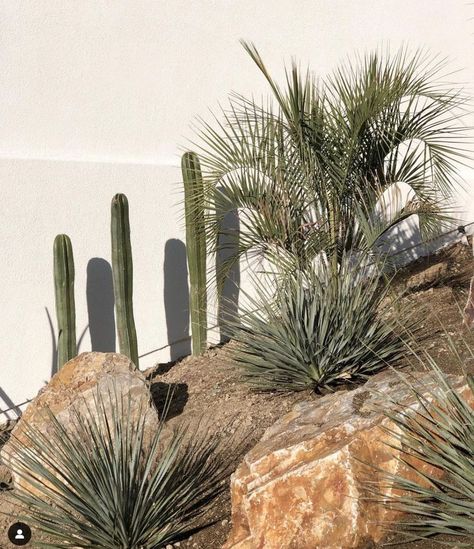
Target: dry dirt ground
[{"x": 208, "y": 392}]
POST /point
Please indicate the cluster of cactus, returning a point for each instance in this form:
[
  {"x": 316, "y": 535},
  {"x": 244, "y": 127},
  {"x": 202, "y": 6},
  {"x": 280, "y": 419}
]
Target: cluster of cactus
[
  {"x": 195, "y": 249},
  {"x": 122, "y": 269}
]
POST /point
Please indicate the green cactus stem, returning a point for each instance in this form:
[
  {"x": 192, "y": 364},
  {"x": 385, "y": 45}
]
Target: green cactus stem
[
  {"x": 195, "y": 248},
  {"x": 122, "y": 269},
  {"x": 64, "y": 293}
]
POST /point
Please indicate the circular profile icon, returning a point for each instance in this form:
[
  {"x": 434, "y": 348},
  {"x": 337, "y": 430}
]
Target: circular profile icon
[{"x": 19, "y": 533}]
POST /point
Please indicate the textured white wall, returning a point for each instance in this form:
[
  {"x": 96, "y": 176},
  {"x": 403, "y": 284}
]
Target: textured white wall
[{"x": 97, "y": 96}]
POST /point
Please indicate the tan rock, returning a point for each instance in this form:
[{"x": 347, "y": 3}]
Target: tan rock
[
  {"x": 74, "y": 387},
  {"x": 304, "y": 486},
  {"x": 429, "y": 277}
]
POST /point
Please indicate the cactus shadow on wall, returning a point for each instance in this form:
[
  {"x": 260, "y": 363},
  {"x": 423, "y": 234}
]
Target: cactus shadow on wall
[
  {"x": 176, "y": 298},
  {"x": 8, "y": 409},
  {"x": 100, "y": 305},
  {"x": 229, "y": 300}
]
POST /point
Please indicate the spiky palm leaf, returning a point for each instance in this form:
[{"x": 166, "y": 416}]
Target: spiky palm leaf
[
  {"x": 300, "y": 172},
  {"x": 109, "y": 482}
]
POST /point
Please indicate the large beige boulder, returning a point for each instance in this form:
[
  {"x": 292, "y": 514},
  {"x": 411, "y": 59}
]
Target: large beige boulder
[
  {"x": 74, "y": 387},
  {"x": 303, "y": 486}
]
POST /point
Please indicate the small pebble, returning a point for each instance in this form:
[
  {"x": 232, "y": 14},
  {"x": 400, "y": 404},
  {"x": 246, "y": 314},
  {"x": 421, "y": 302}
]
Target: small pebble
[{"x": 224, "y": 522}]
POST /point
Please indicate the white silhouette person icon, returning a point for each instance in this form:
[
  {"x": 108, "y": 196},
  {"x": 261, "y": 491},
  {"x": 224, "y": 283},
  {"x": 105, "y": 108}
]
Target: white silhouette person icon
[{"x": 19, "y": 533}]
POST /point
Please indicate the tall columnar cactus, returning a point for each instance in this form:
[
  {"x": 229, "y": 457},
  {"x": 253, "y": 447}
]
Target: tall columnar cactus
[
  {"x": 195, "y": 248},
  {"x": 122, "y": 268},
  {"x": 64, "y": 292}
]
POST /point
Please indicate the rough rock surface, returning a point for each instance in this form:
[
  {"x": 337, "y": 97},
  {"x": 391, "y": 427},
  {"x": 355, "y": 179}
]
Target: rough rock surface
[
  {"x": 74, "y": 386},
  {"x": 302, "y": 486},
  {"x": 429, "y": 277}
]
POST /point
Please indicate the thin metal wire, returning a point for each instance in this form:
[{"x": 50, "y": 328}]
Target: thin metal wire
[
  {"x": 16, "y": 406},
  {"x": 460, "y": 229}
]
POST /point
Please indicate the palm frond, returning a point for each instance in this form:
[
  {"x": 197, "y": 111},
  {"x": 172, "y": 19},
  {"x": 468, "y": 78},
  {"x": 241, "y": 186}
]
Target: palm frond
[{"x": 300, "y": 170}]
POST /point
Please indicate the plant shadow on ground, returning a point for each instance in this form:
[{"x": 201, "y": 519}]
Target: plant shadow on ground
[
  {"x": 175, "y": 393},
  {"x": 208, "y": 390}
]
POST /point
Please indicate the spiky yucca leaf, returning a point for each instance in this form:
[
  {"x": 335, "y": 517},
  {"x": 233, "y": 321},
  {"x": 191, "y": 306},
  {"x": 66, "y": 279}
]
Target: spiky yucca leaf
[
  {"x": 316, "y": 329},
  {"x": 439, "y": 433},
  {"x": 103, "y": 484}
]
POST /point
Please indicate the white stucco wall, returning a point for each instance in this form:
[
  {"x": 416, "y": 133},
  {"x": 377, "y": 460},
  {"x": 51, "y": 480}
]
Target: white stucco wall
[{"x": 96, "y": 97}]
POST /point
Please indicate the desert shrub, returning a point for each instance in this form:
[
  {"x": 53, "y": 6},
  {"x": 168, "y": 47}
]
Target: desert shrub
[
  {"x": 318, "y": 328},
  {"x": 106, "y": 483},
  {"x": 439, "y": 433}
]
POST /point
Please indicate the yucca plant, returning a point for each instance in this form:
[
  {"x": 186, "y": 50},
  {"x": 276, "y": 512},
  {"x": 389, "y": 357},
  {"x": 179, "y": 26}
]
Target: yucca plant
[
  {"x": 316, "y": 329},
  {"x": 306, "y": 170},
  {"x": 439, "y": 433},
  {"x": 108, "y": 482}
]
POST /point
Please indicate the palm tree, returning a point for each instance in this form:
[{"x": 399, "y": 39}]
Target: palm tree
[{"x": 306, "y": 171}]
